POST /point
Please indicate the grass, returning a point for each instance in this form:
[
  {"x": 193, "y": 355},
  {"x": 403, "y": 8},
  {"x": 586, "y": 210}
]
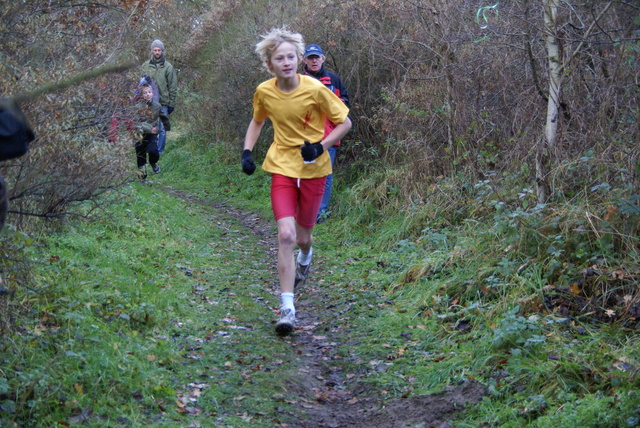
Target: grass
[
  {"x": 138, "y": 316},
  {"x": 145, "y": 316}
]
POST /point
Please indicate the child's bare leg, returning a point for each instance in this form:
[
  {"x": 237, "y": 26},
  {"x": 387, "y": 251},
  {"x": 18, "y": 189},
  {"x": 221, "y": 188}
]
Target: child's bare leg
[{"x": 286, "y": 247}]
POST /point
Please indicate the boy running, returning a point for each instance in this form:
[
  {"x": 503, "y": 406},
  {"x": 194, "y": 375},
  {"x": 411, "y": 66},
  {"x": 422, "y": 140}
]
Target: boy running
[{"x": 298, "y": 107}]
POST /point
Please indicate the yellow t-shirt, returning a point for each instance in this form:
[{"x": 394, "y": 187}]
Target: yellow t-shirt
[{"x": 297, "y": 117}]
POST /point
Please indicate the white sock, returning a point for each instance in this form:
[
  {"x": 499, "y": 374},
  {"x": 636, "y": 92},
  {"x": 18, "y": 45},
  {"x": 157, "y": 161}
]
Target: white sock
[
  {"x": 305, "y": 259},
  {"x": 287, "y": 301}
]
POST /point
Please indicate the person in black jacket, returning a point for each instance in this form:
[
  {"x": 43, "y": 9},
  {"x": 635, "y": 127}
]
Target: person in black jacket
[{"x": 314, "y": 67}]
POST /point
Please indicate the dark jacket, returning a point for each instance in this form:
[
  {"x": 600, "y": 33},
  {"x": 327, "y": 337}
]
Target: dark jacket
[{"x": 333, "y": 82}]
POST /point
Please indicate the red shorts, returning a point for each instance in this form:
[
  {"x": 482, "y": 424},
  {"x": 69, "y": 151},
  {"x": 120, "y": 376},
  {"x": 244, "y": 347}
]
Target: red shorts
[{"x": 297, "y": 197}]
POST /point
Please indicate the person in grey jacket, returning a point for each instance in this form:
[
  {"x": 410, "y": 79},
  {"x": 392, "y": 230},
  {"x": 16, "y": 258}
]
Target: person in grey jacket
[{"x": 166, "y": 78}]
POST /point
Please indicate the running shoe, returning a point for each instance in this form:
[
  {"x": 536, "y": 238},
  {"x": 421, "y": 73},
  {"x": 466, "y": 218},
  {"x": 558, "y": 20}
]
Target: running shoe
[
  {"x": 287, "y": 322},
  {"x": 156, "y": 168},
  {"x": 142, "y": 172},
  {"x": 302, "y": 271}
]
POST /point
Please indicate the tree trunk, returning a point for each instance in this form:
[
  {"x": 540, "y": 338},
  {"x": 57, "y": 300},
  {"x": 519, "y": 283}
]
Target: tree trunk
[{"x": 546, "y": 146}]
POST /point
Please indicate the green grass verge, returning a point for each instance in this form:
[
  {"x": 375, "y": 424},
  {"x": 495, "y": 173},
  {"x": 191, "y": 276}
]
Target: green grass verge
[{"x": 138, "y": 323}]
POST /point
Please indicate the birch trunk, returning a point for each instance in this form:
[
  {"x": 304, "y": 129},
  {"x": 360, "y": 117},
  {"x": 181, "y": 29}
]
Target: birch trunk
[{"x": 546, "y": 146}]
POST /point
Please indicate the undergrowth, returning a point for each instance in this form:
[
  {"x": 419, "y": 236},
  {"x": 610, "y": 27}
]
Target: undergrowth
[{"x": 539, "y": 303}]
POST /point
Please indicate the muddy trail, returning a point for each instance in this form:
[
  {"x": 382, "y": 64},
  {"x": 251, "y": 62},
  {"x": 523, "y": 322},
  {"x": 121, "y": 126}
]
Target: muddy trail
[{"x": 326, "y": 396}]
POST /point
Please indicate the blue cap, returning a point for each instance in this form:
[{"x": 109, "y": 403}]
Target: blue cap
[{"x": 313, "y": 50}]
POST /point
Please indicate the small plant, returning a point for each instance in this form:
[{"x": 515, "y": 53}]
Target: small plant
[{"x": 517, "y": 331}]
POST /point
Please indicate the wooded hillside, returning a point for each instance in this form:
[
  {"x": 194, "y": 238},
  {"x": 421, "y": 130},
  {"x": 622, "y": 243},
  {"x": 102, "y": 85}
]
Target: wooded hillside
[{"x": 439, "y": 89}]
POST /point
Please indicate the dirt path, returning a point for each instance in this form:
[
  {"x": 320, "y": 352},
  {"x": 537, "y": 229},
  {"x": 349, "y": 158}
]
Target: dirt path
[{"x": 327, "y": 396}]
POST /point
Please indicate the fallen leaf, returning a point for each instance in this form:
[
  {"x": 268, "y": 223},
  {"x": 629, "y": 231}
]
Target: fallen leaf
[
  {"x": 612, "y": 210},
  {"x": 80, "y": 418},
  {"x": 618, "y": 274},
  {"x": 199, "y": 385},
  {"x": 193, "y": 410}
]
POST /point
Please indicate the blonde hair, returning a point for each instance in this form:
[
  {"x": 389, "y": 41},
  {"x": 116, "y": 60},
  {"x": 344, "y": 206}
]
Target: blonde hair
[{"x": 273, "y": 39}]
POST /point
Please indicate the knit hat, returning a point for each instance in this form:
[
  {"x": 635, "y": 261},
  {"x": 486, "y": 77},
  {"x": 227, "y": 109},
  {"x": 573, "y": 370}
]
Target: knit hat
[{"x": 157, "y": 44}]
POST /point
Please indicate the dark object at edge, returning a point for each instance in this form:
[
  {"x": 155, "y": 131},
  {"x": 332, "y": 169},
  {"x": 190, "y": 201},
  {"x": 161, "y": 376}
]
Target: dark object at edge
[{"x": 15, "y": 132}]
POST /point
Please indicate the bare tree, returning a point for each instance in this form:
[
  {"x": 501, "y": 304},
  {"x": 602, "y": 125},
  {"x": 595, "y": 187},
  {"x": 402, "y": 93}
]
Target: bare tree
[
  {"x": 546, "y": 144},
  {"x": 545, "y": 147}
]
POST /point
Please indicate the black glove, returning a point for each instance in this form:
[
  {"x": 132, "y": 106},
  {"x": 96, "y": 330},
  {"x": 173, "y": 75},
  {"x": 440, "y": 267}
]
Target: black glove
[
  {"x": 248, "y": 167},
  {"x": 169, "y": 109},
  {"x": 311, "y": 151}
]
